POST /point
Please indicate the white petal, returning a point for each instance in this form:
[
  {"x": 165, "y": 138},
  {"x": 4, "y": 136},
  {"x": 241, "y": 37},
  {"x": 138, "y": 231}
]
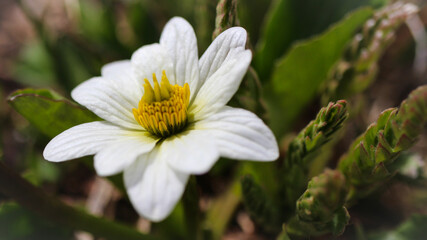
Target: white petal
[
  {"x": 240, "y": 134},
  {"x": 109, "y": 100},
  {"x": 82, "y": 140},
  {"x": 153, "y": 187},
  {"x": 119, "y": 154},
  {"x": 122, "y": 73},
  {"x": 222, "y": 85},
  {"x": 192, "y": 152},
  {"x": 179, "y": 39},
  {"x": 217, "y": 52},
  {"x": 151, "y": 59}
]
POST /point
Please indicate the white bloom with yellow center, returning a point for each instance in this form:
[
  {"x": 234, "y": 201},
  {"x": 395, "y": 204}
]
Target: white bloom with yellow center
[{"x": 158, "y": 133}]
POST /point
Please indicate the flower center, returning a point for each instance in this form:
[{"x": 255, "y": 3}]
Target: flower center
[{"x": 162, "y": 110}]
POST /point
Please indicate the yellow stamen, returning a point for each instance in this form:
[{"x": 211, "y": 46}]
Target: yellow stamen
[{"x": 162, "y": 110}]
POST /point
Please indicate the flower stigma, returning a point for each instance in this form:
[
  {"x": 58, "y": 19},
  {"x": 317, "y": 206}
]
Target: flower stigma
[{"x": 162, "y": 110}]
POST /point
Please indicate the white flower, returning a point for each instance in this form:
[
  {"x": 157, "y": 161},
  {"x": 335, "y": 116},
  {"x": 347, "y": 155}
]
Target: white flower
[{"x": 159, "y": 134}]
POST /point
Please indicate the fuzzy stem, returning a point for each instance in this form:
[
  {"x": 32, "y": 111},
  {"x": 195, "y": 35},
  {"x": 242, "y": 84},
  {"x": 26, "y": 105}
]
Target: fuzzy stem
[
  {"x": 367, "y": 165},
  {"x": 32, "y": 198},
  {"x": 226, "y": 16},
  {"x": 304, "y": 148}
]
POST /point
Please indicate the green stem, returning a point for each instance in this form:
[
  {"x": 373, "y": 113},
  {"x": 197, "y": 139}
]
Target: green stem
[
  {"x": 191, "y": 209},
  {"x": 32, "y": 198}
]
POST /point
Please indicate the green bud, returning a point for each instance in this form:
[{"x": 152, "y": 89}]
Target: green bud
[
  {"x": 321, "y": 208},
  {"x": 325, "y": 195},
  {"x": 317, "y": 132},
  {"x": 365, "y": 50},
  {"x": 367, "y": 164},
  {"x": 302, "y": 149}
]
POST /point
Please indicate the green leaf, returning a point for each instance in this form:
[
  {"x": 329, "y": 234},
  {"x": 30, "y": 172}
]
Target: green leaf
[
  {"x": 299, "y": 74},
  {"x": 48, "y": 111},
  {"x": 52, "y": 114},
  {"x": 339, "y": 221},
  {"x": 288, "y": 21},
  {"x": 412, "y": 229},
  {"x": 276, "y": 37}
]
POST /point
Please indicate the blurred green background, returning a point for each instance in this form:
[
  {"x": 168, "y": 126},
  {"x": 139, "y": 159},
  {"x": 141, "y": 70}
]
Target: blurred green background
[{"x": 57, "y": 44}]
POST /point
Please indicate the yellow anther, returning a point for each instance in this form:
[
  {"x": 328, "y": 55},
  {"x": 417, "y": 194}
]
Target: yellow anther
[
  {"x": 157, "y": 94},
  {"x": 148, "y": 92},
  {"x": 162, "y": 111},
  {"x": 164, "y": 92},
  {"x": 165, "y": 81}
]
